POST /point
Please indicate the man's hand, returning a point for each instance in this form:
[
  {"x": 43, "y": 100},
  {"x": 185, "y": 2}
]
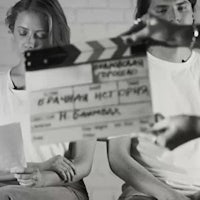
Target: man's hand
[
  {"x": 174, "y": 131},
  {"x": 160, "y": 31}
]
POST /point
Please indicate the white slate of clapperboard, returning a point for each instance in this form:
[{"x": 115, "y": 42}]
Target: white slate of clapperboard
[{"x": 58, "y": 77}]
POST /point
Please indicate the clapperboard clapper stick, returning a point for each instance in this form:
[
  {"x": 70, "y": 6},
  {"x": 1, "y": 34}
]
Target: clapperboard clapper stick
[
  {"x": 161, "y": 33},
  {"x": 80, "y": 53},
  {"x": 156, "y": 31}
]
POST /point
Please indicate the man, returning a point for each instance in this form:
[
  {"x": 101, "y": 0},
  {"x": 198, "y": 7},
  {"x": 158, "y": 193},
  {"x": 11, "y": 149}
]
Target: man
[{"x": 174, "y": 76}]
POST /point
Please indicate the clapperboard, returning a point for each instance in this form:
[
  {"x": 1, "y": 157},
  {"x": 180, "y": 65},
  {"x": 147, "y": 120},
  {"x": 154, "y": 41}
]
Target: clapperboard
[{"x": 95, "y": 88}]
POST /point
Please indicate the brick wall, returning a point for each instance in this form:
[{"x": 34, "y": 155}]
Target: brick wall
[
  {"x": 197, "y": 12},
  {"x": 97, "y": 18}
]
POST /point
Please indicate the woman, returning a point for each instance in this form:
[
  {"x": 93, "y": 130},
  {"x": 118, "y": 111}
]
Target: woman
[
  {"x": 174, "y": 76},
  {"x": 37, "y": 24}
]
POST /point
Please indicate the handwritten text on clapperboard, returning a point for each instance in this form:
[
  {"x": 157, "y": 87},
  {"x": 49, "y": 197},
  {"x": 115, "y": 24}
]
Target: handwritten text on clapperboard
[{"x": 112, "y": 99}]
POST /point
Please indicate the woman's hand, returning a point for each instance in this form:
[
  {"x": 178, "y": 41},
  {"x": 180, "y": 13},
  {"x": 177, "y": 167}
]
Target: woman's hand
[
  {"x": 29, "y": 177},
  {"x": 62, "y": 166}
]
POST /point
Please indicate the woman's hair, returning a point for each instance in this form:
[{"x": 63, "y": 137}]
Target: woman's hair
[
  {"x": 57, "y": 22},
  {"x": 143, "y": 6}
]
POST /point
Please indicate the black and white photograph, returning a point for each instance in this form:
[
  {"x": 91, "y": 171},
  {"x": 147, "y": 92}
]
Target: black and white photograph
[{"x": 100, "y": 100}]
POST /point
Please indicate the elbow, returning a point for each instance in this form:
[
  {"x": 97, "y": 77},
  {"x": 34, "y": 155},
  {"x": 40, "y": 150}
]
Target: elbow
[
  {"x": 87, "y": 172},
  {"x": 118, "y": 155},
  {"x": 85, "y": 169},
  {"x": 114, "y": 160},
  {"x": 114, "y": 165}
]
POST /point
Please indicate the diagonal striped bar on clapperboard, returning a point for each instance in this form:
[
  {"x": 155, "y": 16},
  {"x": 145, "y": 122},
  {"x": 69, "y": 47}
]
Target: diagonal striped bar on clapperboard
[{"x": 80, "y": 53}]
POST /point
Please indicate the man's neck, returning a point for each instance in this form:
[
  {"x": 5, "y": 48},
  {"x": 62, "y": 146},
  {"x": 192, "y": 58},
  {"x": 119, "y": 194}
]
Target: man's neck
[{"x": 176, "y": 55}]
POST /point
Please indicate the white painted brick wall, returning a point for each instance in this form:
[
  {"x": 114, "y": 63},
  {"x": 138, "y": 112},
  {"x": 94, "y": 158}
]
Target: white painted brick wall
[{"x": 197, "y": 12}]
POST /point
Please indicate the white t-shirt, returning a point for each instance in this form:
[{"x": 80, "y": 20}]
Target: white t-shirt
[
  {"x": 175, "y": 90},
  {"x": 175, "y": 87},
  {"x": 14, "y": 107}
]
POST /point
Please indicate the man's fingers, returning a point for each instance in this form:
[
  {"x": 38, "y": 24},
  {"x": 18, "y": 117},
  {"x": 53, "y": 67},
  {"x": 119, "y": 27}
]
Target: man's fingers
[
  {"x": 136, "y": 37},
  {"x": 161, "y": 140},
  {"x": 167, "y": 139},
  {"x": 160, "y": 126}
]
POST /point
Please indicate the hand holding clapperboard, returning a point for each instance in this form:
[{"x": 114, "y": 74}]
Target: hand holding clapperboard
[{"x": 95, "y": 88}]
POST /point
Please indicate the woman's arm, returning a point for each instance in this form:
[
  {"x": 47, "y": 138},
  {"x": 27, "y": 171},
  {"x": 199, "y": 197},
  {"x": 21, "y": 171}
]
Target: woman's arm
[
  {"x": 80, "y": 161},
  {"x": 30, "y": 177},
  {"x": 124, "y": 166},
  {"x": 82, "y": 155}
]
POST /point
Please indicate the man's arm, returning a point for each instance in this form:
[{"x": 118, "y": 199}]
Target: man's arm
[
  {"x": 124, "y": 166},
  {"x": 176, "y": 130},
  {"x": 158, "y": 31}
]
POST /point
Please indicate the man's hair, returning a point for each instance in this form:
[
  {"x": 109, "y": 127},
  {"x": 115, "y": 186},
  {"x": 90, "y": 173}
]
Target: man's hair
[{"x": 143, "y": 6}]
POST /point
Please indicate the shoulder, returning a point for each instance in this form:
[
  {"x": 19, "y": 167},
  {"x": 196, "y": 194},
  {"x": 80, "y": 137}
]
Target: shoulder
[
  {"x": 5, "y": 79},
  {"x": 195, "y": 58},
  {"x": 17, "y": 78},
  {"x": 196, "y": 53}
]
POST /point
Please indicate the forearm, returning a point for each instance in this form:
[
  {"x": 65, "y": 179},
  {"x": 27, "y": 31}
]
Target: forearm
[
  {"x": 143, "y": 181},
  {"x": 83, "y": 157},
  {"x": 129, "y": 170},
  {"x": 82, "y": 170},
  {"x": 165, "y": 33},
  {"x": 75, "y": 168}
]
